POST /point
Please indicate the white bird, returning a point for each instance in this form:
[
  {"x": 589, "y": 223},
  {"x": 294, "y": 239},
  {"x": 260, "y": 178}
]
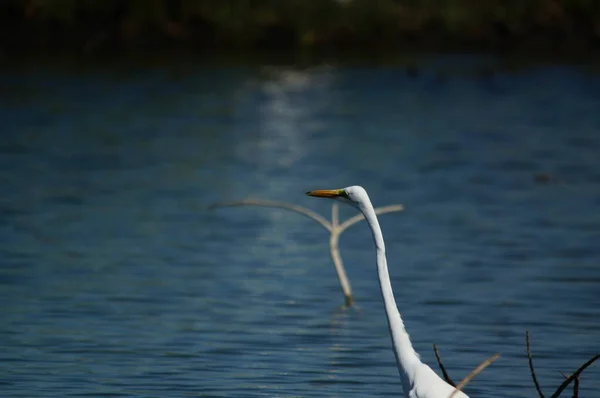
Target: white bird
[{"x": 418, "y": 379}]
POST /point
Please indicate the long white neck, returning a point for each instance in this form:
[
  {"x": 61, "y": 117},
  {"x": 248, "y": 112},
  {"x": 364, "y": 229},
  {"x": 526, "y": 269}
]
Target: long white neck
[{"x": 406, "y": 357}]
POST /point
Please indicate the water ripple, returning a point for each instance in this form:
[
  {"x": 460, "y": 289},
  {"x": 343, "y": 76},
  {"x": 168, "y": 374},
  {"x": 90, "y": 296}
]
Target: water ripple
[{"x": 117, "y": 280}]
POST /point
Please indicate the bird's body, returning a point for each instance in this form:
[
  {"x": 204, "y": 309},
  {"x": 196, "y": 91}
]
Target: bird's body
[{"x": 418, "y": 379}]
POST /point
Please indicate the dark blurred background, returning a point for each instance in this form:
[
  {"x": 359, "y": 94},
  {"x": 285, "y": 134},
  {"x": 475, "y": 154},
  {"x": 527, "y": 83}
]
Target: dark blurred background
[{"x": 309, "y": 25}]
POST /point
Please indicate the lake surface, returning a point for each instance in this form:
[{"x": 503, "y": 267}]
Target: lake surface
[{"x": 116, "y": 279}]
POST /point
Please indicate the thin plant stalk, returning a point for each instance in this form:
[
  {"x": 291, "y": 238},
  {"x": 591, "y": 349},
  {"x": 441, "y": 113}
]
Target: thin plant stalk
[
  {"x": 575, "y": 384},
  {"x": 575, "y": 376},
  {"x": 531, "y": 369},
  {"x": 442, "y": 367}
]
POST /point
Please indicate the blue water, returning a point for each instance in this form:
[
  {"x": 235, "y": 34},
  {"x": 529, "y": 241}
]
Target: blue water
[{"x": 116, "y": 279}]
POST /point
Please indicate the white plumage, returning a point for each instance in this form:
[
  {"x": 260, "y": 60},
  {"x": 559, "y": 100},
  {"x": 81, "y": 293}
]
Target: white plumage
[{"x": 418, "y": 379}]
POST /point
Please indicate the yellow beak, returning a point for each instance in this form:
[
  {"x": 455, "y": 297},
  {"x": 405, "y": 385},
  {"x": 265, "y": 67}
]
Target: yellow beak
[{"x": 325, "y": 193}]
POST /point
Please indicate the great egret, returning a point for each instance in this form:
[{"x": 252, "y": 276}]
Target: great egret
[{"x": 418, "y": 379}]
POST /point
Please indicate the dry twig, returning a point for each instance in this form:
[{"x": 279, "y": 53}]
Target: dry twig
[
  {"x": 335, "y": 229},
  {"x": 474, "y": 373},
  {"x": 271, "y": 203}
]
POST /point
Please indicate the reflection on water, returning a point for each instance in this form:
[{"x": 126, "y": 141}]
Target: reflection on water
[{"x": 117, "y": 280}]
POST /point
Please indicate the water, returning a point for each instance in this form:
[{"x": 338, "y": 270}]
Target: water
[{"x": 117, "y": 280}]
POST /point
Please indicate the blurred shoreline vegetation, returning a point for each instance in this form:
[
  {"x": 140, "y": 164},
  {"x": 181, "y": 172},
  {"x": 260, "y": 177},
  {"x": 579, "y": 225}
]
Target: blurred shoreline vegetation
[{"x": 320, "y": 26}]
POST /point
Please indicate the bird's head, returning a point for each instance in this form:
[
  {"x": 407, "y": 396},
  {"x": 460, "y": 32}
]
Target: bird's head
[{"x": 354, "y": 195}]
